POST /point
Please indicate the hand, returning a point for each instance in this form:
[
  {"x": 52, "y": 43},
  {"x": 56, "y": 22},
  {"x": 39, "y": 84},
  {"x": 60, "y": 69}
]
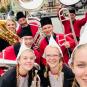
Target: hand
[{"x": 66, "y": 44}]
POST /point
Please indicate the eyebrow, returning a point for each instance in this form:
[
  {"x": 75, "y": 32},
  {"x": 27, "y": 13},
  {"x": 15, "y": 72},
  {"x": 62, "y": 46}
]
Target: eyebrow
[{"x": 81, "y": 62}]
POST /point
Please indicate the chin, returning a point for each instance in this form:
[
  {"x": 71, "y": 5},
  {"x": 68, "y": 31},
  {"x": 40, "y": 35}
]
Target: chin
[{"x": 28, "y": 69}]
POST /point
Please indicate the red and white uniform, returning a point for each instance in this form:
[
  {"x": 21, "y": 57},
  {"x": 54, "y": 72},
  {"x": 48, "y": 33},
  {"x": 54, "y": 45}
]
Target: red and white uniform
[{"x": 59, "y": 38}]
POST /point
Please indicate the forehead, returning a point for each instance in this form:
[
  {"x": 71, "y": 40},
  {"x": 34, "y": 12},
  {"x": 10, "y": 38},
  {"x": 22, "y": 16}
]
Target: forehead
[
  {"x": 23, "y": 18},
  {"x": 47, "y": 25},
  {"x": 10, "y": 21},
  {"x": 27, "y": 53},
  {"x": 50, "y": 50},
  {"x": 27, "y": 37},
  {"x": 81, "y": 54},
  {"x": 72, "y": 14}
]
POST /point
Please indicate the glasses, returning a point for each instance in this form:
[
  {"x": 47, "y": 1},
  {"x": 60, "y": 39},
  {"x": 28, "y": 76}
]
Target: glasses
[{"x": 55, "y": 55}]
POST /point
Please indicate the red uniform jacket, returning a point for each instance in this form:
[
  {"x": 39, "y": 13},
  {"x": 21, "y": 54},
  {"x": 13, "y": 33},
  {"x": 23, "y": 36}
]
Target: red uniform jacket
[
  {"x": 77, "y": 24},
  {"x": 1, "y": 71},
  {"x": 12, "y": 51},
  {"x": 11, "y": 54},
  {"x": 60, "y": 40},
  {"x": 33, "y": 29}
]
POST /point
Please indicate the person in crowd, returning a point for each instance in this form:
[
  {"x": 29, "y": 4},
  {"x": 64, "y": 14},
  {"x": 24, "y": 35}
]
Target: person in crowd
[
  {"x": 79, "y": 65},
  {"x": 11, "y": 26},
  {"x": 79, "y": 62},
  {"x": 11, "y": 52},
  {"x": 55, "y": 73},
  {"x": 66, "y": 43},
  {"x": 77, "y": 23},
  {"x": 22, "y": 21},
  {"x": 23, "y": 74}
]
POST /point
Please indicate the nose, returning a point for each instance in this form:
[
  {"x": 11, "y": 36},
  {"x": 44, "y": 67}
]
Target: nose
[{"x": 28, "y": 60}]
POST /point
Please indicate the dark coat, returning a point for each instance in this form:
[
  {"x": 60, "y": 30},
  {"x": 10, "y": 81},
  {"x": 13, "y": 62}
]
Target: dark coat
[
  {"x": 68, "y": 77},
  {"x": 9, "y": 78},
  {"x": 3, "y": 44}
]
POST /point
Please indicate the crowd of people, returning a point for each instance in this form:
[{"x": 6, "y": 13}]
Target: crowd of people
[{"x": 58, "y": 61}]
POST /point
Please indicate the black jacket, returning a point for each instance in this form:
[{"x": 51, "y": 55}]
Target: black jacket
[
  {"x": 68, "y": 77},
  {"x": 3, "y": 44},
  {"x": 9, "y": 78}
]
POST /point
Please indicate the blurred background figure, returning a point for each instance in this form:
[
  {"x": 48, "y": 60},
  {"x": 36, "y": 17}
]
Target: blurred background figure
[
  {"x": 63, "y": 41},
  {"x": 21, "y": 19},
  {"x": 77, "y": 23},
  {"x": 8, "y": 30}
]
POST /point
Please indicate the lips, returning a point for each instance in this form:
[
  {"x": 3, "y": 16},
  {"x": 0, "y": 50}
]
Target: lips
[
  {"x": 29, "y": 64},
  {"x": 47, "y": 32},
  {"x": 53, "y": 62}
]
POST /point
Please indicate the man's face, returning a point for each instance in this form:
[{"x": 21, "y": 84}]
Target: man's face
[
  {"x": 47, "y": 29},
  {"x": 22, "y": 21},
  {"x": 28, "y": 40},
  {"x": 72, "y": 15}
]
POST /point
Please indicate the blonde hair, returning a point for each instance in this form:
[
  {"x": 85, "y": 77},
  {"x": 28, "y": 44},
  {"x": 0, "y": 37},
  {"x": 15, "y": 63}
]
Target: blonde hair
[
  {"x": 75, "y": 50},
  {"x": 17, "y": 67},
  {"x": 11, "y": 20}
]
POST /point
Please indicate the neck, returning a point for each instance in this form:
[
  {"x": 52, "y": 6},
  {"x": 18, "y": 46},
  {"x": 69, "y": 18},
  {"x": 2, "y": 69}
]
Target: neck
[
  {"x": 54, "y": 70},
  {"x": 57, "y": 69},
  {"x": 22, "y": 72}
]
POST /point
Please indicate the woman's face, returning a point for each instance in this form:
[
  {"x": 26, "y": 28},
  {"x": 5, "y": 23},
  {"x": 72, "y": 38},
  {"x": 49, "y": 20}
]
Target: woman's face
[
  {"x": 80, "y": 66},
  {"x": 52, "y": 57},
  {"x": 47, "y": 29},
  {"x": 11, "y": 25},
  {"x": 26, "y": 60}
]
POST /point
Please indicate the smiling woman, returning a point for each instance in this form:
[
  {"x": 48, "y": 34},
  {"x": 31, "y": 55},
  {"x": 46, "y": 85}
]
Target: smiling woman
[
  {"x": 23, "y": 74},
  {"x": 79, "y": 66},
  {"x": 55, "y": 73}
]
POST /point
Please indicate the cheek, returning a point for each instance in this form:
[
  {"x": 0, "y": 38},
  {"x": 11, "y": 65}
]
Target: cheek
[
  {"x": 47, "y": 30},
  {"x": 55, "y": 60},
  {"x": 78, "y": 72},
  {"x": 21, "y": 62}
]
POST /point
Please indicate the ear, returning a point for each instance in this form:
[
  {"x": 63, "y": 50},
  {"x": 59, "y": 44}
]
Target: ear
[
  {"x": 72, "y": 67},
  {"x": 21, "y": 40},
  {"x": 18, "y": 61}
]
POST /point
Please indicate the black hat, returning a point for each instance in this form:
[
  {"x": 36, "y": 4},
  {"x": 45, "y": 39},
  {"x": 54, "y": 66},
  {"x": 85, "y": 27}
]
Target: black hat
[
  {"x": 45, "y": 21},
  {"x": 72, "y": 11},
  {"x": 26, "y": 31},
  {"x": 20, "y": 15}
]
